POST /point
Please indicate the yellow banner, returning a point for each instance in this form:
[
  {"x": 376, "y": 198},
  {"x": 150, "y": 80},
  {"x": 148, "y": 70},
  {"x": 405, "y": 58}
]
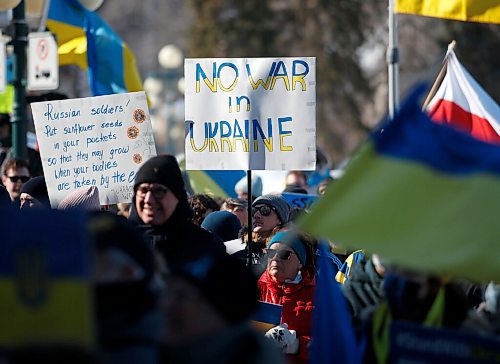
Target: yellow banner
[{"x": 484, "y": 11}]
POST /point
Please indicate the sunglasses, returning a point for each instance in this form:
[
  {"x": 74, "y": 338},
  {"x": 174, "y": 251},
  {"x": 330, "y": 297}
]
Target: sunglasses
[
  {"x": 264, "y": 210},
  {"x": 279, "y": 254},
  {"x": 158, "y": 192},
  {"x": 23, "y": 179}
]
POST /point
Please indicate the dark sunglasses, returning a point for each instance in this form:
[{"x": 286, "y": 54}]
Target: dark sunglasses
[
  {"x": 264, "y": 210},
  {"x": 158, "y": 192},
  {"x": 23, "y": 179},
  {"x": 278, "y": 254}
]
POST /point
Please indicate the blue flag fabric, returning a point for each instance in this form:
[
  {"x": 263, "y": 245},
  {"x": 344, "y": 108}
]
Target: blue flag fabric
[
  {"x": 86, "y": 40},
  {"x": 333, "y": 337},
  {"x": 423, "y": 195}
]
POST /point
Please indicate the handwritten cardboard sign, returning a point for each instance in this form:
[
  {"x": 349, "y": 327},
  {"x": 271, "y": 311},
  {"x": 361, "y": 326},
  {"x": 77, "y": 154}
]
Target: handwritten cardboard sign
[
  {"x": 250, "y": 113},
  {"x": 100, "y": 141}
]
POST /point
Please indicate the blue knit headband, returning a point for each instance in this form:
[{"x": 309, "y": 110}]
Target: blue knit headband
[{"x": 293, "y": 242}]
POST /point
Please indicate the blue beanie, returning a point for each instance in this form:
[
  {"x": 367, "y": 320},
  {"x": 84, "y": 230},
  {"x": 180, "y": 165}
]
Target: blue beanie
[
  {"x": 224, "y": 224},
  {"x": 291, "y": 240},
  {"x": 242, "y": 186}
]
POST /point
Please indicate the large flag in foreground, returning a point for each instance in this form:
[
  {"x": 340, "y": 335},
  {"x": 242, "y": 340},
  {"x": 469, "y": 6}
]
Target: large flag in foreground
[
  {"x": 461, "y": 102},
  {"x": 421, "y": 194},
  {"x": 333, "y": 337},
  {"x": 86, "y": 40},
  {"x": 483, "y": 11}
]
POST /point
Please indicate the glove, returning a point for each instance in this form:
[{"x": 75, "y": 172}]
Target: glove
[{"x": 286, "y": 339}]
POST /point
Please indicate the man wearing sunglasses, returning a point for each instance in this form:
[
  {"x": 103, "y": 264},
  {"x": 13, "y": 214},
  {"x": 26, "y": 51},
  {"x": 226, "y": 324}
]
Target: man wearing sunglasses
[
  {"x": 16, "y": 173},
  {"x": 269, "y": 211},
  {"x": 160, "y": 207}
]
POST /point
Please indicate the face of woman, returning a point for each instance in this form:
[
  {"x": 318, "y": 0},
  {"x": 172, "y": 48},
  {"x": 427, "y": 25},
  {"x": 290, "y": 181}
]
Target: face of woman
[{"x": 284, "y": 264}]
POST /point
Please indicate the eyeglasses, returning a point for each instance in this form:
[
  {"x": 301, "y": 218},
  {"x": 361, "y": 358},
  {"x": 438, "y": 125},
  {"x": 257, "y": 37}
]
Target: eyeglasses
[
  {"x": 279, "y": 254},
  {"x": 23, "y": 179},
  {"x": 264, "y": 210},
  {"x": 158, "y": 192}
]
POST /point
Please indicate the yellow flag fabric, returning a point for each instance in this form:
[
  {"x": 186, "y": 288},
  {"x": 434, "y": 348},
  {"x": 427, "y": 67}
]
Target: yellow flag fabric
[
  {"x": 422, "y": 195},
  {"x": 483, "y": 11}
]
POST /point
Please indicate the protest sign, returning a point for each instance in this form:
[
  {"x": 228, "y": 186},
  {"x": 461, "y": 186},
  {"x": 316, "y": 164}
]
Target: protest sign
[
  {"x": 45, "y": 288},
  {"x": 250, "y": 113},
  {"x": 300, "y": 200},
  {"x": 414, "y": 343},
  {"x": 100, "y": 141}
]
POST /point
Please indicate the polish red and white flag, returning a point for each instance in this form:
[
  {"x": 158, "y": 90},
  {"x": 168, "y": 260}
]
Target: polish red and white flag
[{"x": 462, "y": 103}]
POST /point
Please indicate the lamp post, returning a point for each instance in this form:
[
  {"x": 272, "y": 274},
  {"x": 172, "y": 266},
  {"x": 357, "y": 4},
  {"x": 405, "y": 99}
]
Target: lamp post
[
  {"x": 170, "y": 58},
  {"x": 19, "y": 112}
]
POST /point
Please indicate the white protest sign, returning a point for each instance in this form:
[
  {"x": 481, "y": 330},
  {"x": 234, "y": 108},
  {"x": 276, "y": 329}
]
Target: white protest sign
[
  {"x": 100, "y": 141},
  {"x": 250, "y": 113}
]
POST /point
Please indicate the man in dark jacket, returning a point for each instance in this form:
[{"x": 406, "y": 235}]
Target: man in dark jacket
[{"x": 162, "y": 210}]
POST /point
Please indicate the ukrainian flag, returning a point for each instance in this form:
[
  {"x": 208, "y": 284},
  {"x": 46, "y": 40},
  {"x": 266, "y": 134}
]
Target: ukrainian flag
[
  {"x": 266, "y": 316},
  {"x": 483, "y": 11},
  {"x": 215, "y": 182},
  {"x": 86, "y": 40},
  {"x": 45, "y": 295},
  {"x": 420, "y": 194}
]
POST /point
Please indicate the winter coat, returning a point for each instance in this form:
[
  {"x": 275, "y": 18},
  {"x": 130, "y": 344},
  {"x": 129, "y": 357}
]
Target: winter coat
[
  {"x": 297, "y": 302},
  {"x": 179, "y": 239}
]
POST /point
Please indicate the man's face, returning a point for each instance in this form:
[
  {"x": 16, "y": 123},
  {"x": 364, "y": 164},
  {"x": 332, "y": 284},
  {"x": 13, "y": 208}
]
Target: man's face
[
  {"x": 265, "y": 218},
  {"x": 296, "y": 179},
  {"x": 155, "y": 203},
  {"x": 14, "y": 180}
]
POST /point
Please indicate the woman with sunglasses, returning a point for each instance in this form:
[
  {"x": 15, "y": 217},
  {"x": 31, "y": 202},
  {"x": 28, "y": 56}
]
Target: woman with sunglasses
[{"x": 289, "y": 280}]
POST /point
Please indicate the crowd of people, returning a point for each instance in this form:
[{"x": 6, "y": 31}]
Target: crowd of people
[{"x": 177, "y": 278}]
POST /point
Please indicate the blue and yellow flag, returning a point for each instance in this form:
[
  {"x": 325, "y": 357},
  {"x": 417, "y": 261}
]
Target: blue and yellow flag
[
  {"x": 333, "y": 337},
  {"x": 483, "y": 11},
  {"x": 45, "y": 293},
  {"x": 420, "y": 194},
  {"x": 266, "y": 316},
  {"x": 86, "y": 40}
]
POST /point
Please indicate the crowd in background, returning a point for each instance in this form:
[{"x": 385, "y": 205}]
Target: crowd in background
[{"x": 177, "y": 277}]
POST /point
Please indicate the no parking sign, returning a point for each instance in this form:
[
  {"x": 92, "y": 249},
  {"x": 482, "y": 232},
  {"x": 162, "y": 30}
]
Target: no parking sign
[{"x": 43, "y": 62}]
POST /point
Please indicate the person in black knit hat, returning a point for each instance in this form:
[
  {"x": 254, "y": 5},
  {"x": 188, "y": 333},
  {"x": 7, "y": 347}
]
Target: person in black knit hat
[
  {"x": 163, "y": 213},
  {"x": 34, "y": 194}
]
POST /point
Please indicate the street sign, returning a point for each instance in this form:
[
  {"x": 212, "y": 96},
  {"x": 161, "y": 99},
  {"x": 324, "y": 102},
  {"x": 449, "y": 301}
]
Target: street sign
[
  {"x": 3, "y": 66},
  {"x": 43, "y": 62}
]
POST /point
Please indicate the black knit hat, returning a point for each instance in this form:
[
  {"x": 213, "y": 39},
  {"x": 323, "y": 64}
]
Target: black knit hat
[
  {"x": 37, "y": 188},
  {"x": 162, "y": 169}
]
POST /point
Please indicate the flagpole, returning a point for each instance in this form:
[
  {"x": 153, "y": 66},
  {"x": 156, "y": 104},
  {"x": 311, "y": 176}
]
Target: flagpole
[
  {"x": 439, "y": 77},
  {"x": 392, "y": 57},
  {"x": 249, "y": 221}
]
